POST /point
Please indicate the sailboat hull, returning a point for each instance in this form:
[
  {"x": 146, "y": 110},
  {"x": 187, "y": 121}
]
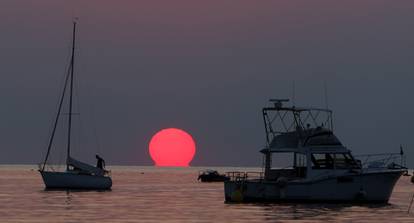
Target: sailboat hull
[{"x": 68, "y": 180}]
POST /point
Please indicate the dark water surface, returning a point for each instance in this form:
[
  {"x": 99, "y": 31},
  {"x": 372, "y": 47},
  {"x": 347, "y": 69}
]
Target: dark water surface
[{"x": 148, "y": 194}]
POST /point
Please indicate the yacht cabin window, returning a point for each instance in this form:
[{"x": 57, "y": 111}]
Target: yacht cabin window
[
  {"x": 322, "y": 161},
  {"x": 287, "y": 164},
  {"x": 282, "y": 160},
  {"x": 333, "y": 160}
]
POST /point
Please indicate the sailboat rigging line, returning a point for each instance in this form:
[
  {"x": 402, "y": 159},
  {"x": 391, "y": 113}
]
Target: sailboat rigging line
[
  {"x": 77, "y": 143},
  {"x": 94, "y": 123},
  {"x": 70, "y": 93},
  {"x": 56, "y": 119}
]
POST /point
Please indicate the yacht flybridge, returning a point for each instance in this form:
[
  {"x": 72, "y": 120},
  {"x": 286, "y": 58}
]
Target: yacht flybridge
[
  {"x": 78, "y": 175},
  {"x": 320, "y": 167}
]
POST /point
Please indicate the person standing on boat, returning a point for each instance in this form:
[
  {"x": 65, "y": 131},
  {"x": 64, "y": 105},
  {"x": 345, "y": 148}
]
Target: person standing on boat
[{"x": 100, "y": 162}]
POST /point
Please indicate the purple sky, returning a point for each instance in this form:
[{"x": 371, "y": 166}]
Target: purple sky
[{"x": 207, "y": 67}]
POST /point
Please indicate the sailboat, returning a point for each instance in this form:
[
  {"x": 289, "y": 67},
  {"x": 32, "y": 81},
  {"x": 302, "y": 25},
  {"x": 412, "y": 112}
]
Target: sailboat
[{"x": 78, "y": 175}]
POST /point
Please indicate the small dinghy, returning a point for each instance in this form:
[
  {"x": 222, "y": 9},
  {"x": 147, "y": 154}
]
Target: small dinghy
[
  {"x": 78, "y": 175},
  {"x": 211, "y": 176}
]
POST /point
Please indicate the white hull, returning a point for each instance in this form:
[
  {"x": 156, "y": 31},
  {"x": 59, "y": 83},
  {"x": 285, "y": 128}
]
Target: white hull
[
  {"x": 69, "y": 180},
  {"x": 367, "y": 187}
]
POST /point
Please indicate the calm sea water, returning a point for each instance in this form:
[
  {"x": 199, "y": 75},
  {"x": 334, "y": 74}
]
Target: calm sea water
[{"x": 148, "y": 194}]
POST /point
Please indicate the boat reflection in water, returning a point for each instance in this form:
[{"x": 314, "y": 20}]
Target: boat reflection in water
[{"x": 321, "y": 169}]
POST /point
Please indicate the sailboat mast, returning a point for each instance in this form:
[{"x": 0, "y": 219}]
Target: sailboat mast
[{"x": 72, "y": 63}]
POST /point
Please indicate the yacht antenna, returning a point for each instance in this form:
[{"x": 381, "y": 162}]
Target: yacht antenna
[
  {"x": 402, "y": 156},
  {"x": 325, "y": 86},
  {"x": 278, "y": 103},
  {"x": 293, "y": 93}
]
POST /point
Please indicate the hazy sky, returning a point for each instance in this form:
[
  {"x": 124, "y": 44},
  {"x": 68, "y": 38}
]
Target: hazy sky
[{"x": 207, "y": 67}]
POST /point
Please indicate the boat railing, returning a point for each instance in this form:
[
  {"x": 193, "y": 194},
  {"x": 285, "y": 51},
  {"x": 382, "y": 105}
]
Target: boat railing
[
  {"x": 108, "y": 173},
  {"x": 381, "y": 160},
  {"x": 243, "y": 176},
  {"x": 40, "y": 166},
  {"x": 52, "y": 168}
]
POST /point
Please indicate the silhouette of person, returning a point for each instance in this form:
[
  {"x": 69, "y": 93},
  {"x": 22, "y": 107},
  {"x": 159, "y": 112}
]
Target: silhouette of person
[{"x": 100, "y": 162}]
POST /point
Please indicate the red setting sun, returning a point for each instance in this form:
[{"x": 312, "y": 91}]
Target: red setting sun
[{"x": 172, "y": 147}]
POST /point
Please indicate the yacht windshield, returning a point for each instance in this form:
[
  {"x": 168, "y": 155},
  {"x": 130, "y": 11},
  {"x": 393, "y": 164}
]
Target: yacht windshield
[
  {"x": 322, "y": 161},
  {"x": 333, "y": 160},
  {"x": 345, "y": 161}
]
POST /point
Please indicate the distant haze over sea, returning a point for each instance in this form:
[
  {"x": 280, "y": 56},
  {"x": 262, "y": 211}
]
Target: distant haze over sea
[{"x": 207, "y": 68}]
